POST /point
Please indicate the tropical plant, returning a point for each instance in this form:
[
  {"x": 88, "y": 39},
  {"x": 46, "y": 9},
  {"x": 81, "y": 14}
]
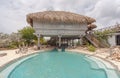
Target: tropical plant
[
  {"x": 91, "y": 48},
  {"x": 104, "y": 34},
  {"x": 42, "y": 41},
  {"x": 27, "y": 34}
]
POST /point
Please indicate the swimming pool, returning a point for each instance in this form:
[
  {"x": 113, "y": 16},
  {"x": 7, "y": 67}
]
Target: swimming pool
[{"x": 55, "y": 65}]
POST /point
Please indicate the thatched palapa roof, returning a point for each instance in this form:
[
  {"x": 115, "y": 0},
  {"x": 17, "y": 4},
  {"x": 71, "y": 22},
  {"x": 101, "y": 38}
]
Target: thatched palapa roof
[
  {"x": 92, "y": 26},
  {"x": 59, "y": 17}
]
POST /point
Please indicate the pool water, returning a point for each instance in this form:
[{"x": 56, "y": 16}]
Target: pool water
[{"x": 57, "y": 65}]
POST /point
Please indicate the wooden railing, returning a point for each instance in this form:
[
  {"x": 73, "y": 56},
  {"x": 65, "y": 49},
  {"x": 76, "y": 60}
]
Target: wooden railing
[{"x": 97, "y": 43}]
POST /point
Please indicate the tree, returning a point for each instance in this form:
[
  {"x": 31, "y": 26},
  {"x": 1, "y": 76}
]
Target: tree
[{"x": 27, "y": 34}]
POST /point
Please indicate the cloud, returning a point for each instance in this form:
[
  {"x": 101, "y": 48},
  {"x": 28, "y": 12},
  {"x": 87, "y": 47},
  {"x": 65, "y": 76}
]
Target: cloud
[
  {"x": 107, "y": 12},
  {"x": 13, "y": 12}
]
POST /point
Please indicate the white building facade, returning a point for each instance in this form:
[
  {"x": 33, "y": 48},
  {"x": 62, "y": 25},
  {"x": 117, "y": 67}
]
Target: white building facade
[{"x": 114, "y": 39}]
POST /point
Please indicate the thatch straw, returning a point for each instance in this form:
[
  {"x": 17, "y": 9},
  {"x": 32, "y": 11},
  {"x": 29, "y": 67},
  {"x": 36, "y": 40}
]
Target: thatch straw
[
  {"x": 59, "y": 17},
  {"x": 92, "y": 26}
]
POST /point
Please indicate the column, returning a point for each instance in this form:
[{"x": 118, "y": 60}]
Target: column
[
  {"x": 81, "y": 41},
  {"x": 67, "y": 43},
  {"x": 38, "y": 35},
  {"x": 73, "y": 42},
  {"x": 59, "y": 40},
  {"x": 78, "y": 42},
  {"x": 56, "y": 41},
  {"x": 70, "y": 42}
]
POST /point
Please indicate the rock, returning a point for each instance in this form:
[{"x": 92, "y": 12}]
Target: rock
[{"x": 115, "y": 54}]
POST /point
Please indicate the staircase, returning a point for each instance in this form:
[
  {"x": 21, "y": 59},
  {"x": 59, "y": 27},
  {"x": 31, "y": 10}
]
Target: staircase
[{"x": 93, "y": 39}]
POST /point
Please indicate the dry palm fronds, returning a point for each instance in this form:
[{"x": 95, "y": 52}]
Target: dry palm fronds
[
  {"x": 92, "y": 26},
  {"x": 58, "y": 17}
]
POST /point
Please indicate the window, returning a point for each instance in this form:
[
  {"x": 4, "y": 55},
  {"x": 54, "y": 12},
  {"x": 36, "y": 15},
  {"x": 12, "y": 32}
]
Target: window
[{"x": 117, "y": 39}]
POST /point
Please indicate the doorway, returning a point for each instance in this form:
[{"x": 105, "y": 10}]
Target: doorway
[{"x": 117, "y": 39}]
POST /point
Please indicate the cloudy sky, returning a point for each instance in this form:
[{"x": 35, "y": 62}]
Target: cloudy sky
[{"x": 13, "y": 12}]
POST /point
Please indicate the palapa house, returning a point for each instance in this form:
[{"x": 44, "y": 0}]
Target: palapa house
[{"x": 60, "y": 24}]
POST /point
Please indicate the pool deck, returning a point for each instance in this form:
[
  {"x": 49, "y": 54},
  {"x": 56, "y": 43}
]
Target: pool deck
[
  {"x": 99, "y": 54},
  {"x": 11, "y": 55}
]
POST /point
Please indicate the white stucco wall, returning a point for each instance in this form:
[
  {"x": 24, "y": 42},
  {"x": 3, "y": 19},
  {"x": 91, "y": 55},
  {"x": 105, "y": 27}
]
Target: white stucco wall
[
  {"x": 57, "y": 29},
  {"x": 112, "y": 40}
]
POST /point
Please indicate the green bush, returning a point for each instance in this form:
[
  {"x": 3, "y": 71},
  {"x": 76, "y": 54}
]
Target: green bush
[
  {"x": 12, "y": 46},
  {"x": 91, "y": 48}
]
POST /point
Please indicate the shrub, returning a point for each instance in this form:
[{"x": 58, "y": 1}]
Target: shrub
[
  {"x": 12, "y": 46},
  {"x": 91, "y": 48}
]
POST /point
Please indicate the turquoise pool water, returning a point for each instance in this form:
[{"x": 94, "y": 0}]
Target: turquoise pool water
[{"x": 57, "y": 65}]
